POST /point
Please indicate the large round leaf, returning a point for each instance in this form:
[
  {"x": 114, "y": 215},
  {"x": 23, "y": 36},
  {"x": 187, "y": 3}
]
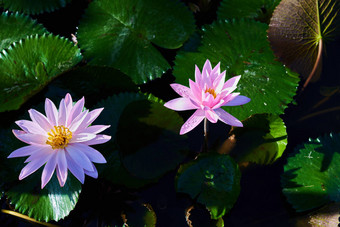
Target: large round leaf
[
  {"x": 297, "y": 30},
  {"x": 311, "y": 176},
  {"x": 27, "y": 66},
  {"x": 260, "y": 9},
  {"x": 213, "y": 179},
  {"x": 17, "y": 26},
  {"x": 261, "y": 140},
  {"x": 243, "y": 49},
  {"x": 121, "y": 34},
  {"x": 34, "y": 6}
]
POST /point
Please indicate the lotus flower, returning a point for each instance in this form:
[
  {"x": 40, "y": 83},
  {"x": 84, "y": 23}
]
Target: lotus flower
[
  {"x": 61, "y": 141},
  {"x": 207, "y": 95}
]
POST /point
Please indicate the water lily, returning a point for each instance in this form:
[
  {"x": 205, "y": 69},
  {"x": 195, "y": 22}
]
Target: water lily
[
  {"x": 61, "y": 140},
  {"x": 207, "y": 95}
]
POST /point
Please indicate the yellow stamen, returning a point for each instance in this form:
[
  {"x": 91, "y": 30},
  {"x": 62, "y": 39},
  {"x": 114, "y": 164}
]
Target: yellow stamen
[
  {"x": 211, "y": 91},
  {"x": 59, "y": 137}
]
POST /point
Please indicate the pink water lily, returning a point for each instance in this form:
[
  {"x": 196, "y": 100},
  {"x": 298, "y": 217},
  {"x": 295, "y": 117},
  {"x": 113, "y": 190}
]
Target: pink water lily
[
  {"x": 207, "y": 95},
  {"x": 61, "y": 140}
]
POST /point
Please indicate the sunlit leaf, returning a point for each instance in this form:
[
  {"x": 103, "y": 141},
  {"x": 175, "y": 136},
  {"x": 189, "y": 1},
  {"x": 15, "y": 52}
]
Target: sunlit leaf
[
  {"x": 34, "y": 6},
  {"x": 213, "y": 179},
  {"x": 261, "y": 140},
  {"x": 123, "y": 34},
  {"x": 243, "y": 49},
  {"x": 260, "y": 9},
  {"x": 27, "y": 66},
  {"x": 298, "y": 30},
  {"x": 311, "y": 176},
  {"x": 17, "y": 26}
]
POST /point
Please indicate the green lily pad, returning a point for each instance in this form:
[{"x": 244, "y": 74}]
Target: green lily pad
[
  {"x": 311, "y": 176},
  {"x": 212, "y": 179},
  {"x": 140, "y": 215},
  {"x": 27, "y": 66},
  {"x": 261, "y": 10},
  {"x": 34, "y": 6},
  {"x": 243, "y": 49},
  {"x": 15, "y": 26},
  {"x": 122, "y": 34},
  {"x": 261, "y": 140},
  {"x": 297, "y": 30}
]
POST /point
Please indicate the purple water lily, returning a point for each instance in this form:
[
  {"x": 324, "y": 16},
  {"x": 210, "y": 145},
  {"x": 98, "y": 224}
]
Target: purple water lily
[
  {"x": 61, "y": 140},
  {"x": 207, "y": 95}
]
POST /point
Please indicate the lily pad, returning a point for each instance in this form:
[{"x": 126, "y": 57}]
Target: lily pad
[
  {"x": 243, "y": 49},
  {"x": 298, "y": 30},
  {"x": 29, "y": 65},
  {"x": 261, "y": 140},
  {"x": 261, "y": 10},
  {"x": 140, "y": 215},
  {"x": 123, "y": 34},
  {"x": 311, "y": 176},
  {"x": 212, "y": 179},
  {"x": 16, "y": 26},
  {"x": 34, "y": 6}
]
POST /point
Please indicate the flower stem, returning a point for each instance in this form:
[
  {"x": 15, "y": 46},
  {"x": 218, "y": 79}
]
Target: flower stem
[{"x": 205, "y": 145}]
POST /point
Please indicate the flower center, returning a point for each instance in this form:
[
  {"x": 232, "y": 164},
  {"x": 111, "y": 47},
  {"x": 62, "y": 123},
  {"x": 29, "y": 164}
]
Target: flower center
[
  {"x": 59, "y": 137},
  {"x": 211, "y": 91}
]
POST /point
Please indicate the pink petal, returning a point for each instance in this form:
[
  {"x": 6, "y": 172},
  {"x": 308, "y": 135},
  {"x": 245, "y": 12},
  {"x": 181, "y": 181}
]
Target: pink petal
[
  {"x": 232, "y": 82},
  {"x": 40, "y": 119},
  {"x": 30, "y": 138},
  {"x": 91, "y": 116},
  {"x": 93, "y": 173},
  {"x": 78, "y": 120},
  {"x": 48, "y": 170},
  {"x": 208, "y": 100},
  {"x": 25, "y": 151},
  {"x": 62, "y": 113},
  {"x": 39, "y": 153},
  {"x": 82, "y": 137},
  {"x": 198, "y": 75},
  {"x": 92, "y": 154},
  {"x": 33, "y": 166},
  {"x": 239, "y": 100},
  {"x": 30, "y": 127},
  {"x": 230, "y": 97},
  {"x": 181, "y": 90},
  {"x": 180, "y": 104},
  {"x": 219, "y": 82},
  {"x": 51, "y": 112},
  {"x": 196, "y": 91},
  {"x": 211, "y": 116},
  {"x": 79, "y": 157},
  {"x": 207, "y": 66},
  {"x": 61, "y": 167},
  {"x": 99, "y": 139},
  {"x": 215, "y": 72},
  {"x": 75, "y": 169},
  {"x": 228, "y": 118},
  {"x": 192, "y": 122},
  {"x": 94, "y": 129},
  {"x": 68, "y": 103},
  {"x": 76, "y": 110}
]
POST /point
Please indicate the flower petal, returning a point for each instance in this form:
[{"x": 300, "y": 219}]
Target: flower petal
[
  {"x": 228, "y": 118},
  {"x": 62, "y": 113},
  {"x": 93, "y": 173},
  {"x": 232, "y": 82},
  {"x": 76, "y": 110},
  {"x": 30, "y": 127},
  {"x": 68, "y": 103},
  {"x": 181, "y": 90},
  {"x": 180, "y": 104},
  {"x": 198, "y": 75},
  {"x": 82, "y": 137},
  {"x": 33, "y": 166},
  {"x": 40, "y": 119},
  {"x": 51, "y": 112},
  {"x": 219, "y": 82},
  {"x": 75, "y": 169},
  {"x": 30, "y": 138},
  {"x": 61, "y": 167},
  {"x": 238, "y": 100},
  {"x": 25, "y": 151},
  {"x": 94, "y": 129},
  {"x": 99, "y": 139},
  {"x": 92, "y": 154},
  {"x": 48, "y": 170},
  {"x": 211, "y": 116},
  {"x": 207, "y": 66},
  {"x": 90, "y": 117},
  {"x": 79, "y": 157},
  {"x": 40, "y": 153},
  {"x": 192, "y": 122},
  {"x": 78, "y": 120},
  {"x": 196, "y": 91}
]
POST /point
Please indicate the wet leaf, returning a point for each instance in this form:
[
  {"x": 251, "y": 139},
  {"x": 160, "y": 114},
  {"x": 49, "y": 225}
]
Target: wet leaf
[{"x": 34, "y": 6}]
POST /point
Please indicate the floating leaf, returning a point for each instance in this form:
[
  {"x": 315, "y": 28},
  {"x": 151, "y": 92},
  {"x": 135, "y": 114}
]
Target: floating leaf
[
  {"x": 121, "y": 34},
  {"x": 259, "y": 10},
  {"x": 15, "y": 26},
  {"x": 243, "y": 49},
  {"x": 213, "y": 179},
  {"x": 27, "y": 66},
  {"x": 297, "y": 31},
  {"x": 34, "y": 6},
  {"x": 262, "y": 140},
  {"x": 140, "y": 215},
  {"x": 311, "y": 177}
]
